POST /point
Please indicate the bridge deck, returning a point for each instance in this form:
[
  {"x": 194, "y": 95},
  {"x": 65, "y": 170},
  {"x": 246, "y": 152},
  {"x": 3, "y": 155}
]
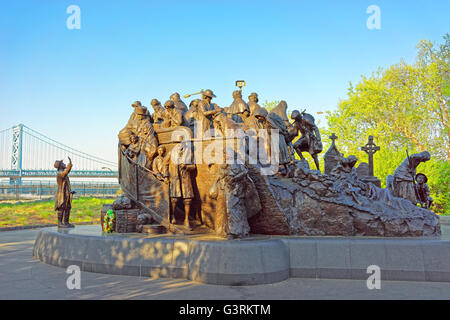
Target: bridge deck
[{"x": 52, "y": 173}]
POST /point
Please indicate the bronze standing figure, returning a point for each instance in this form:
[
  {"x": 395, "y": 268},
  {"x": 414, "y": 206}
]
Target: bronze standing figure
[
  {"x": 63, "y": 199},
  {"x": 206, "y": 109},
  {"x": 310, "y": 141},
  {"x": 179, "y": 168},
  {"x": 265, "y": 122}
]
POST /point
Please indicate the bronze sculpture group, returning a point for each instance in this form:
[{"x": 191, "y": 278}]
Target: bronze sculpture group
[{"x": 166, "y": 181}]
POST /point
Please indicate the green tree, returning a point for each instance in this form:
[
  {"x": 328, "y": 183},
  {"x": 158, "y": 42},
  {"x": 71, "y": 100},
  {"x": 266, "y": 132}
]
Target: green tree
[
  {"x": 405, "y": 107},
  {"x": 270, "y": 105}
]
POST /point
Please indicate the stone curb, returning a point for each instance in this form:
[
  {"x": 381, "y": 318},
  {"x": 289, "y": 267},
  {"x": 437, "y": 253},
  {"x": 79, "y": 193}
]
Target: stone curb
[
  {"x": 250, "y": 262},
  {"x": 444, "y": 220},
  {"x": 37, "y": 226}
]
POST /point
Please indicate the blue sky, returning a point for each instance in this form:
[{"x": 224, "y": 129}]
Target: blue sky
[{"x": 77, "y": 86}]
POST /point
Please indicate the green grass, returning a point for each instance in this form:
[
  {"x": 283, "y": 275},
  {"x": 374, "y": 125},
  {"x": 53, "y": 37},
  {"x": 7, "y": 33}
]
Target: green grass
[{"x": 84, "y": 209}]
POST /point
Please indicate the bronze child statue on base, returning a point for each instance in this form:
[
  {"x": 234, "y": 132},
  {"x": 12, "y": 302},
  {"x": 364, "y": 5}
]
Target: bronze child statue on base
[
  {"x": 63, "y": 198},
  {"x": 423, "y": 191}
]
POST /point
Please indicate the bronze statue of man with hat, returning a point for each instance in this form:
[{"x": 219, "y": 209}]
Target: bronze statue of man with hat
[
  {"x": 206, "y": 111},
  {"x": 63, "y": 198},
  {"x": 140, "y": 112}
]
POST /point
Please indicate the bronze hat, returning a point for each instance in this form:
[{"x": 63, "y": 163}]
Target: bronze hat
[
  {"x": 169, "y": 104},
  {"x": 295, "y": 114},
  {"x": 155, "y": 102},
  {"x": 140, "y": 110},
  {"x": 424, "y": 177},
  {"x": 253, "y": 94},
  {"x": 136, "y": 104},
  {"x": 260, "y": 112},
  {"x": 57, "y": 164},
  {"x": 173, "y": 95},
  {"x": 208, "y": 93}
]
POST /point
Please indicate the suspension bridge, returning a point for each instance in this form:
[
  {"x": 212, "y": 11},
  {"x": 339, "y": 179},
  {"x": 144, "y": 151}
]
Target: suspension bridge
[{"x": 25, "y": 152}]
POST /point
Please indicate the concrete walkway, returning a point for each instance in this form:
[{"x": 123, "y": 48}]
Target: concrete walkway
[{"x": 21, "y": 277}]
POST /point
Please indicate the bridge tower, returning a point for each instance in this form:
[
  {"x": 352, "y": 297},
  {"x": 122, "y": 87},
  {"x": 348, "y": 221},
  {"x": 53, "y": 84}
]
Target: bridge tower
[{"x": 16, "y": 155}]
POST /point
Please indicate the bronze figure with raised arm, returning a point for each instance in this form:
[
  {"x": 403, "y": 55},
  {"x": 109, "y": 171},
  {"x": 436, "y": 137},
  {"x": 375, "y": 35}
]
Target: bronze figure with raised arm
[{"x": 63, "y": 198}]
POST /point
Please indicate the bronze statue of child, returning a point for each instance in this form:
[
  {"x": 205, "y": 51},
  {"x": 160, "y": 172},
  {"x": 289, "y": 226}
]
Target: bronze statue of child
[
  {"x": 423, "y": 191},
  {"x": 134, "y": 148},
  {"x": 147, "y": 145},
  {"x": 158, "y": 165}
]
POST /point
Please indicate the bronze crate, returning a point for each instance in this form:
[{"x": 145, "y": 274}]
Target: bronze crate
[{"x": 126, "y": 220}]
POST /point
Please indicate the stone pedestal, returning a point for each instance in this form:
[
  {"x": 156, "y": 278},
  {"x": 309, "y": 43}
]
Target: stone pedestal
[{"x": 258, "y": 260}]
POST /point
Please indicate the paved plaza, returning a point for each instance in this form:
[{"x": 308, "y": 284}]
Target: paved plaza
[{"x": 22, "y": 277}]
